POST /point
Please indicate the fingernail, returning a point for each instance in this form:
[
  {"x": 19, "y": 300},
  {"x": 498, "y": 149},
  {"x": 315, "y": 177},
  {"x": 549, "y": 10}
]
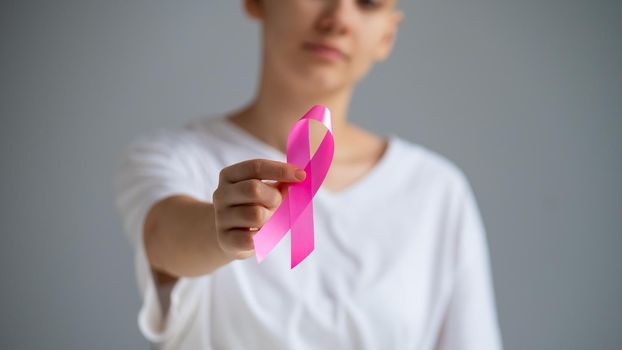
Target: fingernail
[{"x": 300, "y": 174}]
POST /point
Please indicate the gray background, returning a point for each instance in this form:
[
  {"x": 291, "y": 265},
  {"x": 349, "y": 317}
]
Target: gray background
[{"x": 525, "y": 96}]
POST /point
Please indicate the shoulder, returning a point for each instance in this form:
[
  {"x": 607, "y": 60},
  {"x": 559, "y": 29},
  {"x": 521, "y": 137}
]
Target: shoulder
[
  {"x": 442, "y": 184},
  {"x": 429, "y": 167},
  {"x": 193, "y": 136}
]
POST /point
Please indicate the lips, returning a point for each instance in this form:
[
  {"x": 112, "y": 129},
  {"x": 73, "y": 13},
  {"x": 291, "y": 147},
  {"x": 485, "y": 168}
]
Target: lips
[{"x": 325, "y": 51}]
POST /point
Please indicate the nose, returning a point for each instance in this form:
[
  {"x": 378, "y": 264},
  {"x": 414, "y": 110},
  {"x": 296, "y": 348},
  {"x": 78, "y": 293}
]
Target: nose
[{"x": 336, "y": 17}]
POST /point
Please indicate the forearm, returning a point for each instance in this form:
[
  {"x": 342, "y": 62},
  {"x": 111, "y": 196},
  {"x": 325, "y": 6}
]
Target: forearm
[{"x": 180, "y": 237}]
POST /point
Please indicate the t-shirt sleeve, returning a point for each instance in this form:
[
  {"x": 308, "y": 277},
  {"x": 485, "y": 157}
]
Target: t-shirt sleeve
[
  {"x": 152, "y": 168},
  {"x": 470, "y": 322}
]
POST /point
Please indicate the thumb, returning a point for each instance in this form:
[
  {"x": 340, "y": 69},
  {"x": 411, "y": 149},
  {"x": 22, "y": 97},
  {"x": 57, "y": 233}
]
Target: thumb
[{"x": 282, "y": 187}]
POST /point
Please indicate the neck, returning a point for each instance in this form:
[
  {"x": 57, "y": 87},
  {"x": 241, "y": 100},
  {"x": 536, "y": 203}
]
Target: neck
[{"x": 277, "y": 106}]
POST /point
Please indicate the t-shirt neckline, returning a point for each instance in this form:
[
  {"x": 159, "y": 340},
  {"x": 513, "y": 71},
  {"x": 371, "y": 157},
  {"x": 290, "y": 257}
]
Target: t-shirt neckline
[{"x": 369, "y": 183}]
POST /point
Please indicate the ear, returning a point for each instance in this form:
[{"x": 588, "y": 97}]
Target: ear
[
  {"x": 254, "y": 9},
  {"x": 388, "y": 39}
]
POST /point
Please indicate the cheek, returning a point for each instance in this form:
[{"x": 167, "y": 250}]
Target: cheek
[
  {"x": 370, "y": 40},
  {"x": 364, "y": 55},
  {"x": 288, "y": 18},
  {"x": 286, "y": 30}
]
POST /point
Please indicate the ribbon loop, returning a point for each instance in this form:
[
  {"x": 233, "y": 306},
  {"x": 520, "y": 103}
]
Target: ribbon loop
[{"x": 296, "y": 209}]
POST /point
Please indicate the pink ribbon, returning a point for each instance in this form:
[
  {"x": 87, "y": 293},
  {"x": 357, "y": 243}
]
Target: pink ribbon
[{"x": 296, "y": 209}]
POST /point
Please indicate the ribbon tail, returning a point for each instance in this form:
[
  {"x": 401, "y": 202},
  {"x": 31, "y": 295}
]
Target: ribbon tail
[
  {"x": 301, "y": 220},
  {"x": 302, "y": 236},
  {"x": 272, "y": 231}
]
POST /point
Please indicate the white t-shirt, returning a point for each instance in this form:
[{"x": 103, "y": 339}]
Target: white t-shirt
[{"x": 400, "y": 259}]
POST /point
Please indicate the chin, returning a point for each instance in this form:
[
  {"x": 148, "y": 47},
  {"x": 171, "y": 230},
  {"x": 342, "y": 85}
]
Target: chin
[
  {"x": 312, "y": 78},
  {"x": 315, "y": 79}
]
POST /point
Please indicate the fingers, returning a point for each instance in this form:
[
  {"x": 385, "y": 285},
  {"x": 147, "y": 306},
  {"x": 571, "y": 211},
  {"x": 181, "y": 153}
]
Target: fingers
[
  {"x": 263, "y": 169},
  {"x": 237, "y": 243},
  {"x": 249, "y": 192},
  {"x": 243, "y": 216},
  {"x": 243, "y": 202}
]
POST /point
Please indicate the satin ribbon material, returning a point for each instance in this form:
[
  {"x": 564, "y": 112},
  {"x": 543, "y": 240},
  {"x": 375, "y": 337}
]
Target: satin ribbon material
[{"x": 296, "y": 209}]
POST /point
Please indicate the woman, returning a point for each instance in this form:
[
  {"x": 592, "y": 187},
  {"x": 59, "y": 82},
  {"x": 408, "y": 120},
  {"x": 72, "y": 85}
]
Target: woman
[{"x": 400, "y": 259}]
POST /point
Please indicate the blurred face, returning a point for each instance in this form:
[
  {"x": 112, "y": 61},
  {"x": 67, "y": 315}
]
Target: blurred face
[{"x": 324, "y": 45}]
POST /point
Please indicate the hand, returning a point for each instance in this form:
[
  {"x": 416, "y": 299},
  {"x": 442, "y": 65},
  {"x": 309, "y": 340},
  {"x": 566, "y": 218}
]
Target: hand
[{"x": 243, "y": 203}]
